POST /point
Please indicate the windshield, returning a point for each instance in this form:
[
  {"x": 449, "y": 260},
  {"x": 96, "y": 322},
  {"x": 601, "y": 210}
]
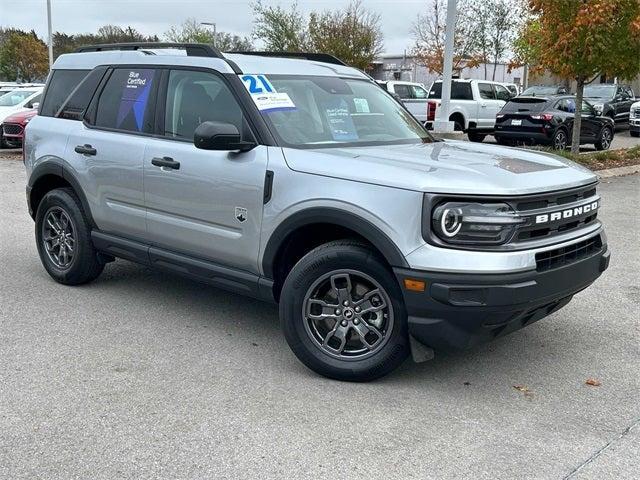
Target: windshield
[
  {"x": 331, "y": 111},
  {"x": 538, "y": 90},
  {"x": 13, "y": 98},
  {"x": 600, "y": 91}
]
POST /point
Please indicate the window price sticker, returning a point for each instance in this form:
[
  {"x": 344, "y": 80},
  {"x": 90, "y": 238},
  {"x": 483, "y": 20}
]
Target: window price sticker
[{"x": 264, "y": 95}]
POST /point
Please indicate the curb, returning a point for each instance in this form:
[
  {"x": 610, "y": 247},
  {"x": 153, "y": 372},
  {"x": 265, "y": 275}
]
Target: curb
[{"x": 618, "y": 172}]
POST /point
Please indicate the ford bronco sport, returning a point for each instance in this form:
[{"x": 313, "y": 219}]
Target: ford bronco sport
[{"x": 300, "y": 181}]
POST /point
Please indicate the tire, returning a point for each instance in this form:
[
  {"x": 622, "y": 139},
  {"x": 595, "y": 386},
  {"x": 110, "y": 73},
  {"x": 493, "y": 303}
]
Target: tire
[
  {"x": 61, "y": 211},
  {"x": 560, "y": 139},
  {"x": 315, "y": 286},
  {"x": 604, "y": 139},
  {"x": 503, "y": 141},
  {"x": 475, "y": 136},
  {"x": 634, "y": 134}
]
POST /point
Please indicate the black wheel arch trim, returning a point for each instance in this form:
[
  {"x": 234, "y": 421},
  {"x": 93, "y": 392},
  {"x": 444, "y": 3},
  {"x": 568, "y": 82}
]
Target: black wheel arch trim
[
  {"x": 56, "y": 168},
  {"x": 338, "y": 217}
]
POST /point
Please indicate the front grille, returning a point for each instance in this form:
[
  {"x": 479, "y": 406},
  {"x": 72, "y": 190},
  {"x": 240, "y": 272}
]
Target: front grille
[
  {"x": 554, "y": 202},
  {"x": 11, "y": 129},
  {"x": 635, "y": 113},
  {"x": 560, "y": 257}
]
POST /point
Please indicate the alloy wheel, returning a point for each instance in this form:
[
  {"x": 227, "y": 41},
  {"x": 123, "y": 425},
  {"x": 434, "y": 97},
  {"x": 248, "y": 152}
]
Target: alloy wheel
[
  {"x": 59, "y": 237},
  {"x": 605, "y": 138},
  {"x": 560, "y": 140},
  {"x": 348, "y": 315}
]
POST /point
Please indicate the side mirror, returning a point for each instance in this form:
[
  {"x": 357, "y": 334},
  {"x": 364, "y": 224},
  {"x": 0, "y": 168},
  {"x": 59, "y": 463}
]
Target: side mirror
[
  {"x": 220, "y": 136},
  {"x": 34, "y": 105}
]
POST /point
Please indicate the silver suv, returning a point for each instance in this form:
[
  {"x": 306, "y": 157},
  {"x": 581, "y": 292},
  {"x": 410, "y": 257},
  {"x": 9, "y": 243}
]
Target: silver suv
[{"x": 300, "y": 181}]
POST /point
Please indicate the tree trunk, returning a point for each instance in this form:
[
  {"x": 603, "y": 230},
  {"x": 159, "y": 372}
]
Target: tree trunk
[
  {"x": 495, "y": 65},
  {"x": 577, "y": 116}
]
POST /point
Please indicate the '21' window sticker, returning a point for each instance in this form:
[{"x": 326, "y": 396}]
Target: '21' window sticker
[{"x": 264, "y": 95}]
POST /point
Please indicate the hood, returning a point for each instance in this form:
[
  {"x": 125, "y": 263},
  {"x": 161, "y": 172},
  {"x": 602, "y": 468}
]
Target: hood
[
  {"x": 20, "y": 117},
  {"x": 445, "y": 167},
  {"x": 6, "y": 111}
]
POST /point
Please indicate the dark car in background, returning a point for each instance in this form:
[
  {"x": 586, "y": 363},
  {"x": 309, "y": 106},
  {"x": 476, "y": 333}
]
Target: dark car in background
[
  {"x": 613, "y": 101},
  {"x": 542, "y": 90},
  {"x": 549, "y": 121}
]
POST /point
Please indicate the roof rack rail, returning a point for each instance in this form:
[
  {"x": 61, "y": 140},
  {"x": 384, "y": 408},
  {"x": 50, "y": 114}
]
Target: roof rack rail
[
  {"x": 192, "y": 49},
  {"x": 316, "y": 57}
]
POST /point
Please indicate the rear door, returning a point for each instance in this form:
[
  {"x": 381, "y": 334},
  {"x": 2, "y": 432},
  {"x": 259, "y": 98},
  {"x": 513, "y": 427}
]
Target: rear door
[
  {"x": 489, "y": 107},
  {"x": 108, "y": 149},
  {"x": 210, "y": 205}
]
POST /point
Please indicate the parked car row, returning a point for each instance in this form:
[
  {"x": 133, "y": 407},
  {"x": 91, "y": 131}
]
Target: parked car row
[{"x": 18, "y": 104}]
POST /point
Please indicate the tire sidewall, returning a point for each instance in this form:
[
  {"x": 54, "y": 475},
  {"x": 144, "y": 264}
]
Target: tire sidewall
[
  {"x": 320, "y": 262},
  {"x": 63, "y": 200}
]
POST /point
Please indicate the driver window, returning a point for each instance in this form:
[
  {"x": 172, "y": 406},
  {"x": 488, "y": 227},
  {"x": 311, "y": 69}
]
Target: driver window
[{"x": 197, "y": 97}]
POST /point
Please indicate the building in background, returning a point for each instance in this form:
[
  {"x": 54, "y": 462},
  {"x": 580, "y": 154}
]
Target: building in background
[{"x": 405, "y": 68}]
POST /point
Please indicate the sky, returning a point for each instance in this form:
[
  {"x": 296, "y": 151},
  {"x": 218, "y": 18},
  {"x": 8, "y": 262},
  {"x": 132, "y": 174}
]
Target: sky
[{"x": 156, "y": 16}]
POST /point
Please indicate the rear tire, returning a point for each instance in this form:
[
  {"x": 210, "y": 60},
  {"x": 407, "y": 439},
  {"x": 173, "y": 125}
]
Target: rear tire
[
  {"x": 604, "y": 139},
  {"x": 63, "y": 237},
  {"x": 343, "y": 314},
  {"x": 475, "y": 136},
  {"x": 560, "y": 139}
]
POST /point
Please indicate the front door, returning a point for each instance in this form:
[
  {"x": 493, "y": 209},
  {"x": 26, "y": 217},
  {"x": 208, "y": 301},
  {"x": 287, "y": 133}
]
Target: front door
[
  {"x": 206, "y": 204},
  {"x": 488, "y": 106}
]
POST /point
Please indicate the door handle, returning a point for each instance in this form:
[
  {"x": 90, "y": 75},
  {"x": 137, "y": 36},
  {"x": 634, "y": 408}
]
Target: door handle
[
  {"x": 483, "y": 105},
  {"x": 86, "y": 149},
  {"x": 167, "y": 162}
]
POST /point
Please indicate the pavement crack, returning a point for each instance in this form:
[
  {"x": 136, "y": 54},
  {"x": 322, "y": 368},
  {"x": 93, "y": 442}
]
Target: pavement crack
[{"x": 601, "y": 450}]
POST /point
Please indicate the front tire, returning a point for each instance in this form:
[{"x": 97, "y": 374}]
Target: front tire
[
  {"x": 63, "y": 237},
  {"x": 604, "y": 139},
  {"x": 342, "y": 313}
]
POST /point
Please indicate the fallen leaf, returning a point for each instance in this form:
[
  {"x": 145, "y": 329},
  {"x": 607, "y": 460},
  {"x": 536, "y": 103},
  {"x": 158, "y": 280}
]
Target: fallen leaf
[
  {"x": 593, "y": 382},
  {"x": 524, "y": 389}
]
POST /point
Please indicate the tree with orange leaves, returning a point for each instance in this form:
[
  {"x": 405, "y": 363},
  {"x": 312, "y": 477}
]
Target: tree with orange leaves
[{"x": 581, "y": 40}]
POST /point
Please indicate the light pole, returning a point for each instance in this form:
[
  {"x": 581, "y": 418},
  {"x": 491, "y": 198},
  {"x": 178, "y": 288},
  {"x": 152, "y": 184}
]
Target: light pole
[
  {"x": 442, "y": 123},
  {"x": 211, "y": 24},
  {"x": 50, "y": 32}
]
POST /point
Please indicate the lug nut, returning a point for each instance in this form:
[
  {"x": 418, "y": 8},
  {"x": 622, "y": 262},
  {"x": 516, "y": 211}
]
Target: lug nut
[
  {"x": 338, "y": 311},
  {"x": 343, "y": 323},
  {"x": 356, "y": 321},
  {"x": 357, "y": 309},
  {"x": 345, "y": 303}
]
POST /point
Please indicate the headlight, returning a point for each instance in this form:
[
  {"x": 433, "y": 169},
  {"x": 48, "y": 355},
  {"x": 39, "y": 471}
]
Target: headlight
[
  {"x": 598, "y": 107},
  {"x": 26, "y": 120},
  {"x": 474, "y": 223}
]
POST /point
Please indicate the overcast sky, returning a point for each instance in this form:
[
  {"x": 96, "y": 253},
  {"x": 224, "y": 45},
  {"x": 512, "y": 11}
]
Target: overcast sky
[{"x": 155, "y": 16}]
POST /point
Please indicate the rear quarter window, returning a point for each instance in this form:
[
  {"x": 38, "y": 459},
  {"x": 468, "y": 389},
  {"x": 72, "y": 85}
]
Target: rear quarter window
[
  {"x": 459, "y": 91},
  {"x": 79, "y": 99},
  {"x": 60, "y": 86}
]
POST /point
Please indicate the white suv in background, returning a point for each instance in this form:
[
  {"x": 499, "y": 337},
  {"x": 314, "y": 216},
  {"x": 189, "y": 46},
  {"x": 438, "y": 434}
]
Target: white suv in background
[
  {"x": 634, "y": 120},
  {"x": 474, "y": 105},
  {"x": 413, "y": 96}
]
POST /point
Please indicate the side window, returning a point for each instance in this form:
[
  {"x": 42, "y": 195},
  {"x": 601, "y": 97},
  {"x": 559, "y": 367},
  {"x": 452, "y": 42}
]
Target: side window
[
  {"x": 124, "y": 102},
  {"x": 197, "y": 97},
  {"x": 419, "y": 92},
  {"x": 461, "y": 91},
  {"x": 567, "y": 105},
  {"x": 486, "y": 91},
  {"x": 79, "y": 99},
  {"x": 61, "y": 84},
  {"x": 402, "y": 90},
  {"x": 502, "y": 93}
]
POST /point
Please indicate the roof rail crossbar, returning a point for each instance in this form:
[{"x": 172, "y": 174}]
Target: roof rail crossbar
[
  {"x": 316, "y": 57},
  {"x": 192, "y": 49}
]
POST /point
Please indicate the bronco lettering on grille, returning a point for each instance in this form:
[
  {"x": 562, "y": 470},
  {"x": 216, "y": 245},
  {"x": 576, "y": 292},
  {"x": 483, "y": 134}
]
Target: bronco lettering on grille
[{"x": 568, "y": 213}]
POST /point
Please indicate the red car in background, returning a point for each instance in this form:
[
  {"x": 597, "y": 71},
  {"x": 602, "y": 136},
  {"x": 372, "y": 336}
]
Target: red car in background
[{"x": 14, "y": 125}]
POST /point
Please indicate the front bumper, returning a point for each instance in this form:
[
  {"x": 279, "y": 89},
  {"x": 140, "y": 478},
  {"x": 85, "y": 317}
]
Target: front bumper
[
  {"x": 634, "y": 125},
  {"x": 458, "y": 311}
]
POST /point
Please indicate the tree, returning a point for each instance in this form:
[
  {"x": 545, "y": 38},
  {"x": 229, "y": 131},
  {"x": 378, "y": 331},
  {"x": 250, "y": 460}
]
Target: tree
[
  {"x": 65, "y": 43},
  {"x": 581, "y": 40},
  {"x": 497, "y": 23},
  {"x": 429, "y": 33},
  {"x": 192, "y": 31},
  {"x": 352, "y": 35},
  {"x": 281, "y": 30},
  {"x": 23, "y": 56}
]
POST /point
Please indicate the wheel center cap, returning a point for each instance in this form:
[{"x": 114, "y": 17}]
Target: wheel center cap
[{"x": 348, "y": 313}]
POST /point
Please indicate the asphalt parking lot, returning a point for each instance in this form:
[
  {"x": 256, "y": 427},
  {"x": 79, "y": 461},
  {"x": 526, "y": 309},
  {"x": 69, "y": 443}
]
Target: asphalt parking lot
[{"x": 146, "y": 375}]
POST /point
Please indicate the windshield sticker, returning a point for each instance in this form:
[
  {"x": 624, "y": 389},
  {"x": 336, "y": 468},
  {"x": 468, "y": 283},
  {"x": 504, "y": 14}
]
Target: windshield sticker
[
  {"x": 340, "y": 122},
  {"x": 135, "y": 95},
  {"x": 362, "y": 106},
  {"x": 265, "y": 96}
]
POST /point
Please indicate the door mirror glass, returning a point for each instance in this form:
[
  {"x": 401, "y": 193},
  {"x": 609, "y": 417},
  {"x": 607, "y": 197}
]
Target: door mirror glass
[{"x": 220, "y": 136}]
